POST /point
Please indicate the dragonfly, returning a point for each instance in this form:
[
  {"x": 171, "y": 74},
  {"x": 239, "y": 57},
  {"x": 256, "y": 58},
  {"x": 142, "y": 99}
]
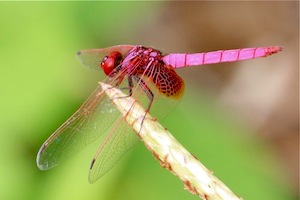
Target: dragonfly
[{"x": 145, "y": 74}]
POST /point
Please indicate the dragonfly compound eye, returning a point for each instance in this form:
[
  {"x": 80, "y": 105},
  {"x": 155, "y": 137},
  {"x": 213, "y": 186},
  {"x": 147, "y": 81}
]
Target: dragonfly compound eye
[{"x": 110, "y": 62}]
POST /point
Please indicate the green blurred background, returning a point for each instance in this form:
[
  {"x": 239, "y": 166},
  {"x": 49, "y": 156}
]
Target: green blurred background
[{"x": 239, "y": 119}]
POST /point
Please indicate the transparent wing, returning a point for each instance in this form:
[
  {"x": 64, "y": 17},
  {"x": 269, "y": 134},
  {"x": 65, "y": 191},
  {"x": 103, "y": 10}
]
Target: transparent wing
[
  {"x": 120, "y": 139},
  {"x": 95, "y": 116},
  {"x": 92, "y": 58},
  {"x": 88, "y": 123}
]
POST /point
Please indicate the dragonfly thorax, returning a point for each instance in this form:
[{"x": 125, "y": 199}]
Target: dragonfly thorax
[
  {"x": 141, "y": 59},
  {"x": 144, "y": 65},
  {"x": 147, "y": 63}
]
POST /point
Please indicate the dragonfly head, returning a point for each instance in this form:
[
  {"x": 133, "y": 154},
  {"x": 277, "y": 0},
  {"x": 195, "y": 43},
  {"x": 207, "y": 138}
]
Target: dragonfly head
[{"x": 110, "y": 62}]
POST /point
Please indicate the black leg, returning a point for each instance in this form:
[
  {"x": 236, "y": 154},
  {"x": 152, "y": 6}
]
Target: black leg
[
  {"x": 130, "y": 86},
  {"x": 149, "y": 94},
  {"x": 147, "y": 90}
]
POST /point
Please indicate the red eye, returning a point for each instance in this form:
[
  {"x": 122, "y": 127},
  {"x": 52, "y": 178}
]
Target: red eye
[{"x": 110, "y": 62}]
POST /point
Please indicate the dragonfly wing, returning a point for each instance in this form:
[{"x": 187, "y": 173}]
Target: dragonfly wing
[
  {"x": 119, "y": 140},
  {"x": 92, "y": 58},
  {"x": 83, "y": 127}
]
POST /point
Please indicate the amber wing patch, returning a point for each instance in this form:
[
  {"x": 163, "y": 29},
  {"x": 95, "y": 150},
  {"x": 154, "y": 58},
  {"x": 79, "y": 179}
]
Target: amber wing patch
[{"x": 168, "y": 82}]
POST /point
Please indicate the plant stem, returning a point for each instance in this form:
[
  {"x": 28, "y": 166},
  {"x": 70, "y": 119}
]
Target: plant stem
[{"x": 167, "y": 150}]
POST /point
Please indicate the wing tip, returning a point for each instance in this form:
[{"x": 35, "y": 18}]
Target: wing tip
[
  {"x": 41, "y": 162},
  {"x": 78, "y": 53},
  {"x": 42, "y": 165},
  {"x": 91, "y": 179},
  {"x": 92, "y": 163}
]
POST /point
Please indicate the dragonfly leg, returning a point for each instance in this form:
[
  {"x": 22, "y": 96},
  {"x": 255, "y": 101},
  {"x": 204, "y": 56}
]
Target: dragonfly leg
[
  {"x": 144, "y": 87},
  {"x": 130, "y": 86},
  {"x": 147, "y": 91},
  {"x": 149, "y": 94}
]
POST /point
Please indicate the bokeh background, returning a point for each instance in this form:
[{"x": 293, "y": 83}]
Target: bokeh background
[{"x": 240, "y": 119}]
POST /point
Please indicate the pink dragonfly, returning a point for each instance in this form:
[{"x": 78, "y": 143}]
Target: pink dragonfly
[{"x": 149, "y": 75}]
